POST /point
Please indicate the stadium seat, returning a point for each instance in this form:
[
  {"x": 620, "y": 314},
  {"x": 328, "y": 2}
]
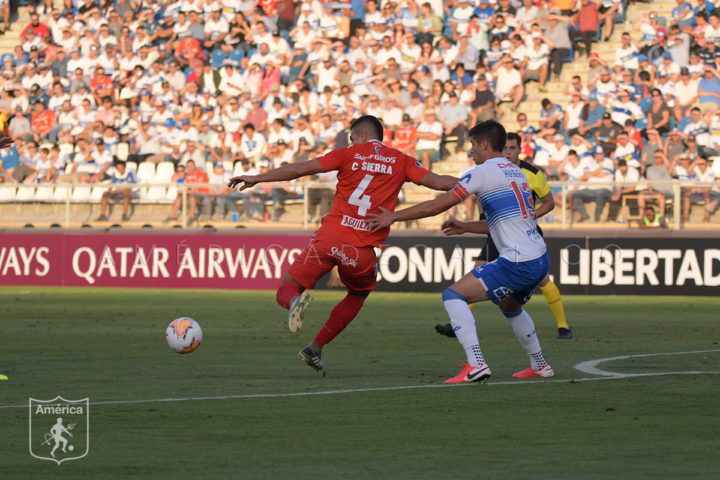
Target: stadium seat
[
  {"x": 81, "y": 194},
  {"x": 25, "y": 193},
  {"x": 131, "y": 167},
  {"x": 146, "y": 172},
  {"x": 228, "y": 166},
  {"x": 142, "y": 193},
  {"x": 171, "y": 194},
  {"x": 164, "y": 173},
  {"x": 237, "y": 170},
  {"x": 236, "y": 55},
  {"x": 716, "y": 166},
  {"x": 645, "y": 103},
  {"x": 156, "y": 194},
  {"x": 44, "y": 193},
  {"x": 61, "y": 193},
  {"x": 7, "y": 193},
  {"x": 217, "y": 58},
  {"x": 66, "y": 149},
  {"x": 97, "y": 193},
  {"x": 208, "y": 167},
  {"x": 123, "y": 149}
]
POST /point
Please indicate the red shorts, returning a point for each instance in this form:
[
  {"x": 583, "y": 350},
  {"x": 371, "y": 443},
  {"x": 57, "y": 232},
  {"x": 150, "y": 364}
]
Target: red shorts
[{"x": 357, "y": 266}]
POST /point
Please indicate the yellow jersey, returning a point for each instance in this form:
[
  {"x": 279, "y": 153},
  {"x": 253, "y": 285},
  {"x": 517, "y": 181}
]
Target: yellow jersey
[{"x": 536, "y": 180}]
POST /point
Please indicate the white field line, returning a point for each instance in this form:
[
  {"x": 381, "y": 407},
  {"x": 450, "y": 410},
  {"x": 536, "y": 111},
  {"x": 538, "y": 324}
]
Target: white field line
[
  {"x": 590, "y": 366},
  {"x": 586, "y": 367}
]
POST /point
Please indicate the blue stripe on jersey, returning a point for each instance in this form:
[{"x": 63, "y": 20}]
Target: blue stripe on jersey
[
  {"x": 498, "y": 219},
  {"x": 499, "y": 205}
]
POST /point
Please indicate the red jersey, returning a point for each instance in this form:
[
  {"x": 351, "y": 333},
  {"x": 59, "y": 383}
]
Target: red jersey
[
  {"x": 103, "y": 82},
  {"x": 197, "y": 176},
  {"x": 588, "y": 18},
  {"x": 40, "y": 30},
  {"x": 406, "y": 138},
  {"x": 370, "y": 176},
  {"x": 43, "y": 122},
  {"x": 268, "y": 6}
]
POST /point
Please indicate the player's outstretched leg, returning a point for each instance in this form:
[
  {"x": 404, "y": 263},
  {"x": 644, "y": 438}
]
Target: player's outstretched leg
[
  {"x": 524, "y": 330},
  {"x": 298, "y": 305},
  {"x": 463, "y": 323},
  {"x": 294, "y": 297},
  {"x": 447, "y": 329},
  {"x": 343, "y": 313},
  {"x": 312, "y": 356},
  {"x": 554, "y": 301}
]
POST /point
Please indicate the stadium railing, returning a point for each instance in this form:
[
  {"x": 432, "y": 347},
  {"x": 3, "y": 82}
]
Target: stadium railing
[{"x": 66, "y": 196}]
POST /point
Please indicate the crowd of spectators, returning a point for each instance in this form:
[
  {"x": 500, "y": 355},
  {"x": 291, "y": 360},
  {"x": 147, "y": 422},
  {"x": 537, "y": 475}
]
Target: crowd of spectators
[{"x": 228, "y": 86}]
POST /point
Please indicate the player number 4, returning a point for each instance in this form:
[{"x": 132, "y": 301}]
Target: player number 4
[{"x": 359, "y": 199}]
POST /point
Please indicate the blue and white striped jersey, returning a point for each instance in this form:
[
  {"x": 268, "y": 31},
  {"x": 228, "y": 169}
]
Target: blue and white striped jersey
[{"x": 506, "y": 199}]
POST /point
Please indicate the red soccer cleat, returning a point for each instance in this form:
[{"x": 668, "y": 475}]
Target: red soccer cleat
[
  {"x": 471, "y": 374},
  {"x": 544, "y": 372}
]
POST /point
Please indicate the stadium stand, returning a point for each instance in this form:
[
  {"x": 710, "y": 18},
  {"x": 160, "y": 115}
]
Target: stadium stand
[{"x": 86, "y": 84}]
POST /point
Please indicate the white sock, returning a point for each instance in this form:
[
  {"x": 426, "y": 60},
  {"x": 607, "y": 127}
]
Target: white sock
[
  {"x": 524, "y": 329},
  {"x": 463, "y": 324}
]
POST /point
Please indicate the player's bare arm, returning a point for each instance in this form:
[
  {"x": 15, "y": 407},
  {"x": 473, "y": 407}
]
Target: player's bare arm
[
  {"x": 290, "y": 171},
  {"x": 456, "y": 227},
  {"x": 438, "y": 182},
  {"x": 429, "y": 208},
  {"x": 548, "y": 203}
]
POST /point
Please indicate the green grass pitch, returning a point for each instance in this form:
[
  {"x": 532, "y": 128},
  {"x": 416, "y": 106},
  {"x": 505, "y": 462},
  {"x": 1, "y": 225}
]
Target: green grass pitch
[{"x": 270, "y": 417}]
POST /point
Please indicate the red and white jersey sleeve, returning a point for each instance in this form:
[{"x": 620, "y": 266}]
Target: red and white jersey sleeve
[{"x": 370, "y": 176}]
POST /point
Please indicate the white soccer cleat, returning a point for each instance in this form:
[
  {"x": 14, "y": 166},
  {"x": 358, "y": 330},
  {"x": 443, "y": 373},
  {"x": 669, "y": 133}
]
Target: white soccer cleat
[{"x": 297, "y": 311}]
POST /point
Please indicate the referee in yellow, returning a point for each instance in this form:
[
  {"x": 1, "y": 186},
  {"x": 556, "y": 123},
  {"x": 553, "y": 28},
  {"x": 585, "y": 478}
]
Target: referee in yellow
[{"x": 540, "y": 190}]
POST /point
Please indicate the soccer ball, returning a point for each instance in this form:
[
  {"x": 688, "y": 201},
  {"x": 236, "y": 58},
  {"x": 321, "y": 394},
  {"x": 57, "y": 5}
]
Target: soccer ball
[{"x": 183, "y": 335}]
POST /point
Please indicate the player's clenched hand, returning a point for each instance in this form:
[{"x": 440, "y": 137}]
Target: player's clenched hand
[
  {"x": 381, "y": 220},
  {"x": 248, "y": 181},
  {"x": 453, "y": 227}
]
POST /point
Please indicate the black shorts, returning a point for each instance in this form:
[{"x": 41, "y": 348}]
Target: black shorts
[{"x": 490, "y": 251}]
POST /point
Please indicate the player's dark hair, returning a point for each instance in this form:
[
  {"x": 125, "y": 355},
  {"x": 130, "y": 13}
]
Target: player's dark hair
[
  {"x": 369, "y": 123},
  {"x": 516, "y": 137},
  {"x": 492, "y": 132}
]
